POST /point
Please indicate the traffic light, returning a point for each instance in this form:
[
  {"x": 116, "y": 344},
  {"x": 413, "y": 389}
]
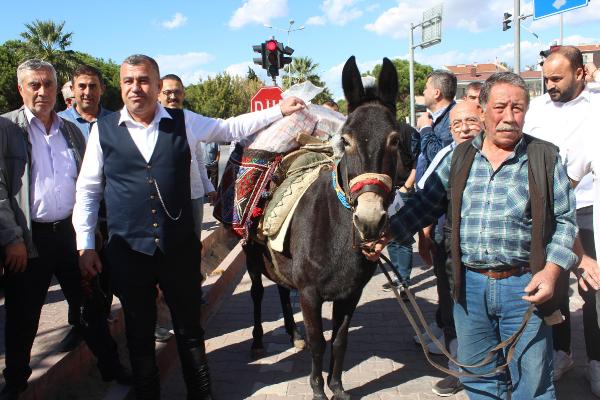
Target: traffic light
[
  {"x": 506, "y": 21},
  {"x": 272, "y": 57},
  {"x": 259, "y": 48},
  {"x": 283, "y": 52}
]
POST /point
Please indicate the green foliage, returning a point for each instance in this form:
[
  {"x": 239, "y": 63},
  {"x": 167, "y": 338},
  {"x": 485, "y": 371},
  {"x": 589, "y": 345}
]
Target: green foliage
[
  {"x": 304, "y": 69},
  {"x": 421, "y": 72},
  {"x": 9, "y": 60},
  {"x": 223, "y": 96},
  {"x": 251, "y": 75},
  {"x": 111, "y": 99}
]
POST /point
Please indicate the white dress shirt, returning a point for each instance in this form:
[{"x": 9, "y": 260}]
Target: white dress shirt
[
  {"x": 583, "y": 156},
  {"x": 198, "y": 128},
  {"x": 199, "y": 182},
  {"x": 53, "y": 171},
  {"x": 557, "y": 122}
]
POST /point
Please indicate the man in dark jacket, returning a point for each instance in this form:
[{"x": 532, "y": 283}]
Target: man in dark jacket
[{"x": 41, "y": 155}]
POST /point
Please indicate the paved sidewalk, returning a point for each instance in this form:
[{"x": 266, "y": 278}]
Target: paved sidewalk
[{"x": 382, "y": 362}]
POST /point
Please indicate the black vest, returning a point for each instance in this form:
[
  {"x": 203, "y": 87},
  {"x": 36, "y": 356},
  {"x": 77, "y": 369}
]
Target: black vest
[{"x": 147, "y": 203}]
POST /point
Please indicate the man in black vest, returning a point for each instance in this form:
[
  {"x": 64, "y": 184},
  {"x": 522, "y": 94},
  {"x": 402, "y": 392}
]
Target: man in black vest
[
  {"x": 511, "y": 224},
  {"x": 138, "y": 159}
]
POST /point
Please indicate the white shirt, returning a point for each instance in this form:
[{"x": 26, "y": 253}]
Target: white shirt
[
  {"x": 198, "y": 128},
  {"x": 199, "y": 182},
  {"x": 556, "y": 122},
  {"x": 53, "y": 171}
]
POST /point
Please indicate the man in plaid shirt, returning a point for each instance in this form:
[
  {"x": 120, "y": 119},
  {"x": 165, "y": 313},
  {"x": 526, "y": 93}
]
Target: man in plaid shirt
[{"x": 497, "y": 285}]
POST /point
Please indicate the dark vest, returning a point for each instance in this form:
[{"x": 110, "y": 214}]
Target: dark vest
[
  {"x": 136, "y": 210},
  {"x": 541, "y": 161}
]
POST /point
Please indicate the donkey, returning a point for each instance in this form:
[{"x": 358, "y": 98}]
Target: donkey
[{"x": 322, "y": 256}]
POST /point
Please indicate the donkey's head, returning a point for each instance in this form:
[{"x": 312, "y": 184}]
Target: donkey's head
[{"x": 374, "y": 149}]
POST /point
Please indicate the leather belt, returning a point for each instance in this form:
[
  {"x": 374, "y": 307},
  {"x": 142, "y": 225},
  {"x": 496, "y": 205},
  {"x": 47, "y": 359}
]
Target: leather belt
[
  {"x": 501, "y": 273},
  {"x": 53, "y": 226}
]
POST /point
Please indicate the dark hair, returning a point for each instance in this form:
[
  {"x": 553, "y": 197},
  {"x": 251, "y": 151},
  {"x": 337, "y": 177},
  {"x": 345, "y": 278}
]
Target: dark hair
[
  {"x": 474, "y": 86},
  {"x": 87, "y": 70},
  {"x": 445, "y": 82},
  {"x": 137, "y": 59},
  {"x": 172, "y": 77},
  {"x": 509, "y": 78},
  {"x": 571, "y": 53},
  {"x": 330, "y": 103}
]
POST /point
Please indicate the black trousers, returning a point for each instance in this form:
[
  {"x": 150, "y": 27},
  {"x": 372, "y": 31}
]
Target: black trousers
[
  {"x": 25, "y": 294},
  {"x": 134, "y": 276},
  {"x": 444, "y": 314},
  {"x": 213, "y": 174},
  {"x": 591, "y": 332}
]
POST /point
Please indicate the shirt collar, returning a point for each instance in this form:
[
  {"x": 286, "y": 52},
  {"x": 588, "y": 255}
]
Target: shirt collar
[
  {"x": 159, "y": 113},
  {"x": 520, "y": 148},
  {"x": 75, "y": 114},
  {"x": 583, "y": 96},
  {"x": 57, "y": 122}
]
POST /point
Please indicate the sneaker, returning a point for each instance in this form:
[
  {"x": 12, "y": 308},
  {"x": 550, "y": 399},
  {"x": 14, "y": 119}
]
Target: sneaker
[
  {"x": 162, "y": 334},
  {"x": 433, "y": 348},
  {"x": 562, "y": 363},
  {"x": 434, "y": 329},
  {"x": 593, "y": 375},
  {"x": 388, "y": 287},
  {"x": 447, "y": 386}
]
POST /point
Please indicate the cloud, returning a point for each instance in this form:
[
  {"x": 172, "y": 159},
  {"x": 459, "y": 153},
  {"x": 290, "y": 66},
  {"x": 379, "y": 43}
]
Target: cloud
[
  {"x": 258, "y": 12},
  {"x": 241, "y": 69},
  {"x": 177, "y": 21},
  {"x": 188, "y": 66},
  {"x": 316, "y": 20}
]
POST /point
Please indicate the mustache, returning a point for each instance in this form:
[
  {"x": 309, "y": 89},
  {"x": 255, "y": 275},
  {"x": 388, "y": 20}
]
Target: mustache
[{"x": 503, "y": 127}]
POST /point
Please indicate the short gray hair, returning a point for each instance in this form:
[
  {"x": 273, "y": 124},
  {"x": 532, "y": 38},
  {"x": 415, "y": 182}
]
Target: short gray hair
[
  {"x": 445, "y": 82},
  {"x": 137, "y": 59},
  {"x": 509, "y": 78},
  {"x": 34, "y": 65},
  {"x": 67, "y": 91}
]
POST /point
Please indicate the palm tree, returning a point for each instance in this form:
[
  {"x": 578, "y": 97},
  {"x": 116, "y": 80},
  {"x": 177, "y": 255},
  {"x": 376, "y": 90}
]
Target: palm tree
[{"x": 46, "y": 41}]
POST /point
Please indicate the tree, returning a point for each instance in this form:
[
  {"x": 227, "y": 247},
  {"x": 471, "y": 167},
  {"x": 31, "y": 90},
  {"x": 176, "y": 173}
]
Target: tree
[
  {"x": 251, "y": 75},
  {"x": 421, "y": 72},
  {"x": 223, "y": 96},
  {"x": 304, "y": 69},
  {"x": 9, "y": 61},
  {"x": 46, "y": 41}
]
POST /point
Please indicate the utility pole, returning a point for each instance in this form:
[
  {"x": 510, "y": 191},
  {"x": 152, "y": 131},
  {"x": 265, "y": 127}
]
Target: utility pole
[
  {"x": 561, "y": 30},
  {"x": 517, "y": 13},
  {"x": 411, "y": 74}
]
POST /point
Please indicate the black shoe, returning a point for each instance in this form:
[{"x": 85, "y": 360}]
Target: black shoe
[
  {"x": 388, "y": 287},
  {"x": 120, "y": 374},
  {"x": 162, "y": 334},
  {"x": 70, "y": 341},
  {"x": 10, "y": 393}
]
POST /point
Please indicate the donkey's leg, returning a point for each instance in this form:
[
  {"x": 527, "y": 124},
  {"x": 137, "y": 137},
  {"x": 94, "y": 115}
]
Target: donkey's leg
[
  {"x": 311, "y": 305},
  {"x": 255, "y": 266},
  {"x": 341, "y": 316},
  {"x": 288, "y": 318}
]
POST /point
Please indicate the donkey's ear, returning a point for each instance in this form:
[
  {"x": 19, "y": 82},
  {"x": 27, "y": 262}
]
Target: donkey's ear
[
  {"x": 388, "y": 84},
  {"x": 352, "y": 84}
]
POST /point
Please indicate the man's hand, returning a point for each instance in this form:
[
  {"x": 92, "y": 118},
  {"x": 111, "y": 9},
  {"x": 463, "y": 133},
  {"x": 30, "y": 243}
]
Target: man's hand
[
  {"x": 212, "y": 197},
  {"x": 89, "y": 263},
  {"x": 541, "y": 286},
  {"x": 372, "y": 250},
  {"x": 290, "y": 105},
  {"x": 16, "y": 257},
  {"x": 588, "y": 273},
  {"x": 424, "y": 120},
  {"x": 425, "y": 245}
]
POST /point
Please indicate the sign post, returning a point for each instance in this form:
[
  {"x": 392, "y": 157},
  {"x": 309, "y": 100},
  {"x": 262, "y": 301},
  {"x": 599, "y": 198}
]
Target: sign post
[{"x": 266, "y": 97}]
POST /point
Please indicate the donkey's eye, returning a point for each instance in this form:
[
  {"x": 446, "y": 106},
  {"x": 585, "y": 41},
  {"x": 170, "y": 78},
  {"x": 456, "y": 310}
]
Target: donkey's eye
[
  {"x": 395, "y": 142},
  {"x": 345, "y": 142}
]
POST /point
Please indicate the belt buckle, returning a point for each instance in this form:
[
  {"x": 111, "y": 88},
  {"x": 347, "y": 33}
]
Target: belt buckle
[{"x": 55, "y": 225}]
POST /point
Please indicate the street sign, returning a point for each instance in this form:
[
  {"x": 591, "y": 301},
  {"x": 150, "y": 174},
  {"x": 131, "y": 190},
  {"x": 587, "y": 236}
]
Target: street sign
[
  {"x": 546, "y": 8},
  {"x": 266, "y": 97},
  {"x": 431, "y": 27}
]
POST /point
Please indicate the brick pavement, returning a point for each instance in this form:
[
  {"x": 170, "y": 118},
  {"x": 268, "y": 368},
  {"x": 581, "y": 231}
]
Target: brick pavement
[{"x": 382, "y": 362}]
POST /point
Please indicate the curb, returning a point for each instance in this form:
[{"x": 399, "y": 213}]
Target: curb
[{"x": 224, "y": 269}]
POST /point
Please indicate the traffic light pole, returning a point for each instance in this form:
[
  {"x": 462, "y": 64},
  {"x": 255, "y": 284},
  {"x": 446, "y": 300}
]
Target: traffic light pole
[
  {"x": 411, "y": 74},
  {"x": 517, "y": 22}
]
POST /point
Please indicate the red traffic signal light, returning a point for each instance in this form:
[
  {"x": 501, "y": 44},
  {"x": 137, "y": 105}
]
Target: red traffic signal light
[{"x": 271, "y": 45}]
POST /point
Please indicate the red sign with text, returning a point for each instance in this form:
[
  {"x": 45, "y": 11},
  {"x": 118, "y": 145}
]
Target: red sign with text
[{"x": 266, "y": 97}]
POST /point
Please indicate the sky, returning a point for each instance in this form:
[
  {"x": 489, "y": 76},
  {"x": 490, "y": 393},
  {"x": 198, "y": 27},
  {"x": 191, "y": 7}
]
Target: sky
[{"x": 200, "y": 38}]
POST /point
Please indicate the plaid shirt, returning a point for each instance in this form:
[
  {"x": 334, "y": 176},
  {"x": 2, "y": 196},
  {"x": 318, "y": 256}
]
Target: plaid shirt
[{"x": 495, "y": 229}]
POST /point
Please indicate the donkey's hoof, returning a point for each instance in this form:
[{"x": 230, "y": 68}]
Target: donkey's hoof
[
  {"x": 257, "y": 353},
  {"x": 299, "y": 344},
  {"x": 341, "y": 396}
]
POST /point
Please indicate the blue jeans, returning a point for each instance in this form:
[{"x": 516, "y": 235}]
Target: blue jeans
[
  {"x": 488, "y": 312},
  {"x": 401, "y": 253}
]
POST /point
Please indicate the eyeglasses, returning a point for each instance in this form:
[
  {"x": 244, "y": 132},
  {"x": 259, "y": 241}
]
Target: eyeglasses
[
  {"x": 472, "y": 123},
  {"x": 175, "y": 92}
]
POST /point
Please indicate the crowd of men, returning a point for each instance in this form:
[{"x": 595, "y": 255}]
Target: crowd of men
[{"x": 115, "y": 200}]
